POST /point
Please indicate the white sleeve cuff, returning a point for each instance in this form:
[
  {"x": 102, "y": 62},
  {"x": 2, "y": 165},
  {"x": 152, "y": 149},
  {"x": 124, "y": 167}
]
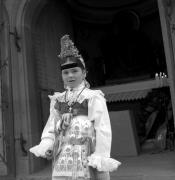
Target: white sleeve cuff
[
  {"x": 40, "y": 149},
  {"x": 103, "y": 163}
]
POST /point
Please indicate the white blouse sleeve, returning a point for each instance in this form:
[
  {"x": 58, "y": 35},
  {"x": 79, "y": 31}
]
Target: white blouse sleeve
[
  {"x": 98, "y": 112},
  {"x": 48, "y": 136}
]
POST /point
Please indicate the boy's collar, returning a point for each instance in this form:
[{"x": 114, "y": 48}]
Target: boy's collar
[{"x": 79, "y": 87}]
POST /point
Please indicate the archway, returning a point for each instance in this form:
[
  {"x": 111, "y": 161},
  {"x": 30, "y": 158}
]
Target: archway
[{"x": 44, "y": 22}]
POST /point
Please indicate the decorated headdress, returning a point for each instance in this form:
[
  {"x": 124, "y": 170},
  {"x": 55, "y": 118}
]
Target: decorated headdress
[{"x": 68, "y": 49}]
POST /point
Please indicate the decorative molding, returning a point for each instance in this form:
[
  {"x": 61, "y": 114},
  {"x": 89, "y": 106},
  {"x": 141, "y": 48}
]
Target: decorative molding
[
  {"x": 103, "y": 12},
  {"x": 169, "y": 8},
  {"x": 17, "y": 39},
  {"x": 105, "y": 4}
]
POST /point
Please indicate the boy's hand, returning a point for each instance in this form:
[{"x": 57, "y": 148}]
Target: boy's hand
[{"x": 49, "y": 154}]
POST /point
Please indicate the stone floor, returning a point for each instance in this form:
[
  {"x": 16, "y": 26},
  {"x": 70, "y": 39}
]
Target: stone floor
[{"x": 157, "y": 166}]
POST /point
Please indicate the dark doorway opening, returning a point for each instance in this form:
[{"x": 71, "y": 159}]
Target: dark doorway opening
[{"x": 127, "y": 49}]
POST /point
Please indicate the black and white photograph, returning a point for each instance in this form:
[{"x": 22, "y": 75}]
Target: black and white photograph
[{"x": 87, "y": 89}]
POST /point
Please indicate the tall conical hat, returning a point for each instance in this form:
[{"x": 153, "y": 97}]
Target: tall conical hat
[{"x": 68, "y": 49}]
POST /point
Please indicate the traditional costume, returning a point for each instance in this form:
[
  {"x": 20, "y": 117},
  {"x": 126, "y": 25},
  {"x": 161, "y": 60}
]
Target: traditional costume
[{"x": 78, "y": 131}]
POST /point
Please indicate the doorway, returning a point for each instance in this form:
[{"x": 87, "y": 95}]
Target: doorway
[
  {"x": 49, "y": 22},
  {"x": 89, "y": 37}
]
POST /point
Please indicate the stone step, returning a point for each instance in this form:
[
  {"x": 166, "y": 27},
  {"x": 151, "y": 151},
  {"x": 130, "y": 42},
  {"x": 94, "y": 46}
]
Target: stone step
[
  {"x": 160, "y": 166},
  {"x": 132, "y": 177}
]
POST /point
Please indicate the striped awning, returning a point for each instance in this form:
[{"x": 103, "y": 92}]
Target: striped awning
[
  {"x": 131, "y": 91},
  {"x": 127, "y": 96}
]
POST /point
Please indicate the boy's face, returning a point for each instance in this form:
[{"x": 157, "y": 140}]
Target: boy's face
[{"x": 73, "y": 77}]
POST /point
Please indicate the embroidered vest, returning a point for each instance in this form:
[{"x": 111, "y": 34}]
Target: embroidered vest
[{"x": 76, "y": 144}]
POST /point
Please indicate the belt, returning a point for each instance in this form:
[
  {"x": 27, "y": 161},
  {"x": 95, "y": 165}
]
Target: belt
[{"x": 76, "y": 141}]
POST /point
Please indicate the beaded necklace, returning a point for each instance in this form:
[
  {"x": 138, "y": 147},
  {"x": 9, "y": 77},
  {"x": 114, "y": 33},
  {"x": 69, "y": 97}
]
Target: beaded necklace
[{"x": 69, "y": 103}]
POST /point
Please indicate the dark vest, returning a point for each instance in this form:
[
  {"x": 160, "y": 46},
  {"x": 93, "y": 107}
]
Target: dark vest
[{"x": 77, "y": 108}]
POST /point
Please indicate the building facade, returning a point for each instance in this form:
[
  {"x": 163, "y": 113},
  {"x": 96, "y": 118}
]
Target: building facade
[{"x": 30, "y": 31}]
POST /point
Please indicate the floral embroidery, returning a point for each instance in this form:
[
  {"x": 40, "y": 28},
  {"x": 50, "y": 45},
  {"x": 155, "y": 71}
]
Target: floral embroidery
[{"x": 73, "y": 157}]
